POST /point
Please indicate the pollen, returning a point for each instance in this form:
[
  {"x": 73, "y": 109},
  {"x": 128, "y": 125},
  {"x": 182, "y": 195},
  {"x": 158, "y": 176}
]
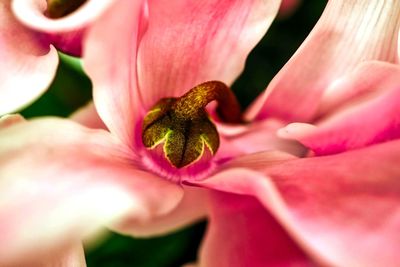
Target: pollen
[{"x": 182, "y": 125}]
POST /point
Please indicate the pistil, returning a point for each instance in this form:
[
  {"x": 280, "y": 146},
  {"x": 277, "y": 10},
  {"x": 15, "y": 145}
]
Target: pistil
[{"x": 183, "y": 126}]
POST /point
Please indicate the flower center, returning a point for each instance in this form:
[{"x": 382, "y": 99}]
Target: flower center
[
  {"x": 183, "y": 126},
  {"x": 60, "y": 8}
]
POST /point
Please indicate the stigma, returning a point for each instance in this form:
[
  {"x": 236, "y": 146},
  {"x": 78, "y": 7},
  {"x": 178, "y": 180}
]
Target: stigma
[{"x": 183, "y": 127}]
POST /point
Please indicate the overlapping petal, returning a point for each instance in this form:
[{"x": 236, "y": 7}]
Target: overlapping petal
[
  {"x": 88, "y": 116},
  {"x": 242, "y": 233},
  {"x": 349, "y": 32},
  {"x": 342, "y": 208},
  {"x": 114, "y": 40},
  {"x": 190, "y": 42},
  {"x": 62, "y": 181},
  {"x": 65, "y": 33},
  {"x": 192, "y": 208},
  {"x": 28, "y": 65},
  {"x": 373, "y": 115}
]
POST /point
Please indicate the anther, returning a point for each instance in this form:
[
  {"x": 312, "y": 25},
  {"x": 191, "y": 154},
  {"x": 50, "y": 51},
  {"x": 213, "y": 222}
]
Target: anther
[{"x": 183, "y": 126}]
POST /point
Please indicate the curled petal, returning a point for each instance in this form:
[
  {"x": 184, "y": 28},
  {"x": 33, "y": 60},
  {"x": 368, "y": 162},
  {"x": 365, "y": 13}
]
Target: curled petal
[
  {"x": 28, "y": 65},
  {"x": 348, "y": 33},
  {"x": 190, "y": 42},
  {"x": 9, "y": 120},
  {"x": 373, "y": 116},
  {"x": 242, "y": 233},
  {"x": 60, "y": 182},
  {"x": 342, "y": 209},
  {"x": 66, "y": 32},
  {"x": 88, "y": 117}
]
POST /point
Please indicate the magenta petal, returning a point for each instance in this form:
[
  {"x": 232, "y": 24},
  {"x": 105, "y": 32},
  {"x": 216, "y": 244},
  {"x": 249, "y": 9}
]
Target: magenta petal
[
  {"x": 65, "y": 33},
  {"x": 242, "y": 233},
  {"x": 372, "y": 117},
  {"x": 110, "y": 61},
  {"x": 27, "y": 65},
  {"x": 348, "y": 33},
  {"x": 342, "y": 208},
  {"x": 60, "y": 182},
  {"x": 190, "y": 42}
]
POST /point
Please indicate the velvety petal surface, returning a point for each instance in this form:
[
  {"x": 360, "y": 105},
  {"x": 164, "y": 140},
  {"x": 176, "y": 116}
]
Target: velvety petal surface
[
  {"x": 342, "y": 208},
  {"x": 66, "y": 32},
  {"x": 252, "y": 138},
  {"x": 190, "y": 42},
  {"x": 27, "y": 65},
  {"x": 192, "y": 208},
  {"x": 349, "y": 32},
  {"x": 242, "y": 233},
  {"x": 373, "y": 115},
  {"x": 110, "y": 61},
  {"x": 60, "y": 182}
]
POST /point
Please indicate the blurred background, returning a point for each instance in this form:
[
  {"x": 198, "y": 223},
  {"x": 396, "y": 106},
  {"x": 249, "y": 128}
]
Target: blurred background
[{"x": 71, "y": 89}]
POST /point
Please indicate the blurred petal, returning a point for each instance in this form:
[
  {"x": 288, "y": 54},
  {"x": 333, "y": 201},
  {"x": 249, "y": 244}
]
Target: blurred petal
[
  {"x": 110, "y": 61},
  {"x": 88, "y": 116},
  {"x": 60, "y": 182},
  {"x": 70, "y": 257},
  {"x": 288, "y": 7},
  {"x": 343, "y": 208},
  {"x": 370, "y": 119},
  {"x": 190, "y": 42},
  {"x": 242, "y": 233},
  {"x": 190, "y": 209},
  {"x": 9, "y": 120},
  {"x": 28, "y": 65},
  {"x": 349, "y": 32},
  {"x": 66, "y": 32}
]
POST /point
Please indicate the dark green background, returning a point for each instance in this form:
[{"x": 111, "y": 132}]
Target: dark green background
[{"x": 71, "y": 89}]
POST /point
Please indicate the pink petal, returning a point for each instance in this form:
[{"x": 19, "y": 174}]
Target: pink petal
[
  {"x": 27, "y": 65},
  {"x": 242, "y": 233},
  {"x": 60, "y": 182},
  {"x": 343, "y": 208},
  {"x": 88, "y": 116},
  {"x": 111, "y": 65},
  {"x": 73, "y": 256},
  {"x": 190, "y": 42},
  {"x": 255, "y": 137},
  {"x": 9, "y": 120},
  {"x": 348, "y": 33},
  {"x": 190, "y": 209},
  {"x": 370, "y": 119},
  {"x": 66, "y": 32}
]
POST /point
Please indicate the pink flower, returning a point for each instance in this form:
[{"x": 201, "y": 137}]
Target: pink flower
[
  {"x": 27, "y": 45},
  {"x": 62, "y": 180}
]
